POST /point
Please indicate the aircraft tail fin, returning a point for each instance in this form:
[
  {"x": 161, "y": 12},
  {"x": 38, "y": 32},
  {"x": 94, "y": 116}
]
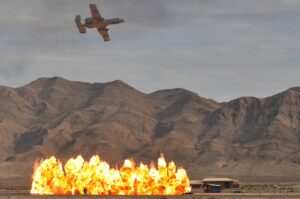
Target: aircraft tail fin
[{"x": 80, "y": 26}]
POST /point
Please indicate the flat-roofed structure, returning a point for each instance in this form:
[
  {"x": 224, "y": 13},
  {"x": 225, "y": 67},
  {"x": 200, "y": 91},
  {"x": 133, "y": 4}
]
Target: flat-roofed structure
[
  {"x": 224, "y": 182},
  {"x": 196, "y": 184}
]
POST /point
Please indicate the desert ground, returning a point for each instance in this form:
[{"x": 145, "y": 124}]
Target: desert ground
[
  {"x": 254, "y": 190},
  {"x": 55, "y": 116},
  {"x": 194, "y": 196}
]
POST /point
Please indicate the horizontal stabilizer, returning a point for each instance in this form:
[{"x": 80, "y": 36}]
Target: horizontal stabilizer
[{"x": 80, "y": 26}]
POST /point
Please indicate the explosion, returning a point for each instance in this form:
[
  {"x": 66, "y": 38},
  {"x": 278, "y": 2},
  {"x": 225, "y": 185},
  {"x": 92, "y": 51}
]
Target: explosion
[{"x": 97, "y": 178}]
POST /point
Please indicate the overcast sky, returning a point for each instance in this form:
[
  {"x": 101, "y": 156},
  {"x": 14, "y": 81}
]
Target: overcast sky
[{"x": 220, "y": 49}]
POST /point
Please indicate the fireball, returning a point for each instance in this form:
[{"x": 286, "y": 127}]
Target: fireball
[{"x": 97, "y": 178}]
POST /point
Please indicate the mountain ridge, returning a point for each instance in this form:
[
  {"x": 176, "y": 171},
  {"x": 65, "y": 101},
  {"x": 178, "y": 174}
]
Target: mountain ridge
[{"x": 245, "y": 137}]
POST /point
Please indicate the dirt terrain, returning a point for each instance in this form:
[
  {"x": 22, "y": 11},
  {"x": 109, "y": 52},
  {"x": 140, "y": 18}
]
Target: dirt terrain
[
  {"x": 15, "y": 190},
  {"x": 198, "y": 196}
]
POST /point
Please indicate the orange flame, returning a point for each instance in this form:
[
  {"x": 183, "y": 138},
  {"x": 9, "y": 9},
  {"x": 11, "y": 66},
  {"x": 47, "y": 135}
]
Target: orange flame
[{"x": 97, "y": 178}]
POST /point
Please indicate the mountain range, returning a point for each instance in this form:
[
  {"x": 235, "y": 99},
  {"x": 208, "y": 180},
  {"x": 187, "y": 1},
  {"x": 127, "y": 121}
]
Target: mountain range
[{"x": 247, "y": 138}]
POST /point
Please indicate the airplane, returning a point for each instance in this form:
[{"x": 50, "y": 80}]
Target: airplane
[{"x": 96, "y": 21}]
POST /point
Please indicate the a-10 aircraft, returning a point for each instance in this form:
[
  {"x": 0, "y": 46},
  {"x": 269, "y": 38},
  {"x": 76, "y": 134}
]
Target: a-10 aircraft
[{"x": 96, "y": 21}]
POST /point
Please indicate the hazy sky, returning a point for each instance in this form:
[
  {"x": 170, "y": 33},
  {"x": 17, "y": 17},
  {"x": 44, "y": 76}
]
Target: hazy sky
[{"x": 220, "y": 49}]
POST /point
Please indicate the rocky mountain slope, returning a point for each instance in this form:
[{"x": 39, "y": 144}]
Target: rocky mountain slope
[{"x": 246, "y": 137}]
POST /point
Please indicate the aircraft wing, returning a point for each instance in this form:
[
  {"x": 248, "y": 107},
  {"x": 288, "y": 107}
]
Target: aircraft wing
[
  {"x": 94, "y": 11},
  {"x": 104, "y": 34}
]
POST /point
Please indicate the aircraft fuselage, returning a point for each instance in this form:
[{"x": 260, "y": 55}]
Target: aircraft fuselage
[{"x": 101, "y": 23}]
